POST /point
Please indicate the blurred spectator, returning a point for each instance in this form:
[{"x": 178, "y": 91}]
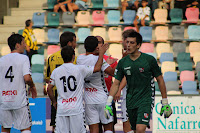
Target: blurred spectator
[
  {"x": 77, "y": 5},
  {"x": 165, "y": 4},
  {"x": 30, "y": 39},
  {"x": 193, "y": 3},
  {"x": 143, "y": 15},
  {"x": 62, "y": 4},
  {"x": 130, "y": 4}
]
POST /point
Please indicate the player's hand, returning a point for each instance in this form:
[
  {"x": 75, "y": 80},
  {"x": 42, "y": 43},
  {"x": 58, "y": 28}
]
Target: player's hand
[
  {"x": 108, "y": 111},
  {"x": 33, "y": 92},
  {"x": 124, "y": 53},
  {"x": 110, "y": 60},
  {"x": 117, "y": 96},
  {"x": 165, "y": 109},
  {"x": 103, "y": 48}
]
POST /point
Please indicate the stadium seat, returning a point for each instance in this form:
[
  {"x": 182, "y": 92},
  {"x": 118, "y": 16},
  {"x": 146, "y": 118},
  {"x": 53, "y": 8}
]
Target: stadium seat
[
  {"x": 98, "y": 18},
  {"x": 113, "y": 17},
  {"x": 115, "y": 50},
  {"x": 39, "y": 35},
  {"x": 178, "y": 48},
  {"x": 38, "y": 19},
  {"x": 192, "y": 15},
  {"x": 128, "y": 17},
  {"x": 198, "y": 76},
  {"x": 161, "y": 33},
  {"x": 166, "y": 57},
  {"x": 83, "y": 17},
  {"x": 146, "y": 32},
  {"x": 190, "y": 87},
  {"x": 52, "y": 49},
  {"x": 115, "y": 34},
  {"x": 168, "y": 66},
  {"x": 37, "y": 59},
  {"x": 147, "y": 48},
  {"x": 176, "y": 15},
  {"x": 53, "y": 36},
  {"x": 197, "y": 68},
  {"x": 153, "y": 54},
  {"x": 182, "y": 66},
  {"x": 177, "y": 32},
  {"x": 112, "y": 4},
  {"x": 69, "y": 29},
  {"x": 68, "y": 18},
  {"x": 173, "y": 93},
  {"x": 183, "y": 57},
  {"x": 5, "y": 50},
  {"x": 193, "y": 33},
  {"x": 172, "y": 86},
  {"x": 81, "y": 49},
  {"x": 37, "y": 68},
  {"x": 41, "y": 50},
  {"x": 97, "y": 4},
  {"x": 129, "y": 27},
  {"x": 99, "y": 31},
  {"x": 196, "y": 58},
  {"x": 162, "y": 48},
  {"x": 53, "y": 19},
  {"x": 170, "y": 76},
  {"x": 39, "y": 87},
  {"x": 187, "y": 76},
  {"x": 51, "y": 3},
  {"x": 194, "y": 47},
  {"x": 160, "y": 15},
  {"x": 20, "y": 31},
  {"x": 82, "y": 34},
  {"x": 37, "y": 77}
]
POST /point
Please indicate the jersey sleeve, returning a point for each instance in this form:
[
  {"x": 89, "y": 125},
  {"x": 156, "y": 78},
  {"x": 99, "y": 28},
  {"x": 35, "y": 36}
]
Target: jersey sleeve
[
  {"x": 87, "y": 70},
  {"x": 119, "y": 72},
  {"x": 26, "y": 67},
  {"x": 154, "y": 67},
  {"x": 104, "y": 65},
  {"x": 52, "y": 79}
]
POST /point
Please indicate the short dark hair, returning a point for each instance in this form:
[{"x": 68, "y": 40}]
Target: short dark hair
[
  {"x": 67, "y": 53},
  {"x": 28, "y": 22},
  {"x": 137, "y": 36},
  {"x": 13, "y": 40},
  {"x": 66, "y": 37},
  {"x": 127, "y": 32},
  {"x": 90, "y": 43},
  {"x": 101, "y": 39}
]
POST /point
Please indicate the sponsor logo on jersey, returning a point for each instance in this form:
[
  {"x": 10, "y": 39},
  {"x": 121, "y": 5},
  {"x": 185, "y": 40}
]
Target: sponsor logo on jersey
[
  {"x": 141, "y": 70},
  {"x": 9, "y": 93},
  {"x": 145, "y": 120},
  {"x": 146, "y": 115},
  {"x": 115, "y": 72},
  {"x": 128, "y": 72},
  {"x": 74, "y": 99},
  {"x": 91, "y": 89},
  {"x": 126, "y": 68}
]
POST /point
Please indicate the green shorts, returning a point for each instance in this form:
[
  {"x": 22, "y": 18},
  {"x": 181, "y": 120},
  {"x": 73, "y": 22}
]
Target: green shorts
[{"x": 140, "y": 115}]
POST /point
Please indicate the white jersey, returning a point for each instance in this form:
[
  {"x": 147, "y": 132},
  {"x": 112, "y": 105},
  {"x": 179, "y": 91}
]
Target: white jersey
[
  {"x": 124, "y": 93},
  {"x": 95, "y": 88},
  {"x": 13, "y": 94},
  {"x": 69, "y": 81}
]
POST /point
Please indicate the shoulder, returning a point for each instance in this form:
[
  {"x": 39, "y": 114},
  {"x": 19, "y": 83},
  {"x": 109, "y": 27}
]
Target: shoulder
[{"x": 148, "y": 57}]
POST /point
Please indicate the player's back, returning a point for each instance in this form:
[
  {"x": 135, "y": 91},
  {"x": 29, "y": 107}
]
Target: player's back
[
  {"x": 13, "y": 67},
  {"x": 95, "y": 87},
  {"x": 69, "y": 81}
]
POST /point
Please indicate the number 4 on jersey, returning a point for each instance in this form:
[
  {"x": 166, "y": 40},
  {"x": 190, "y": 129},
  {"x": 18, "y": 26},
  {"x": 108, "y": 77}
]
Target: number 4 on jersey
[{"x": 9, "y": 74}]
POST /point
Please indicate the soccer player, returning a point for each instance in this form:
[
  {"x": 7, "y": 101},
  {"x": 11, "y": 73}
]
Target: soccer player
[
  {"x": 54, "y": 61},
  {"x": 139, "y": 70},
  {"x": 69, "y": 80},
  {"x": 96, "y": 92},
  {"x": 14, "y": 74}
]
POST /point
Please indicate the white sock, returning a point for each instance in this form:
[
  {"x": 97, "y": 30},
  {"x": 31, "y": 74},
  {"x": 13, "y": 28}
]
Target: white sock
[
  {"x": 131, "y": 131},
  {"x": 26, "y": 131},
  {"x": 108, "y": 131}
]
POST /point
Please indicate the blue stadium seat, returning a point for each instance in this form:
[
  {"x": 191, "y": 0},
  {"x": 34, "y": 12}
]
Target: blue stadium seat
[
  {"x": 146, "y": 32},
  {"x": 20, "y": 31},
  {"x": 53, "y": 36},
  {"x": 129, "y": 16},
  {"x": 190, "y": 87},
  {"x": 113, "y": 18},
  {"x": 38, "y": 77},
  {"x": 53, "y": 19},
  {"x": 37, "y": 68},
  {"x": 69, "y": 29},
  {"x": 38, "y": 19},
  {"x": 37, "y": 59},
  {"x": 193, "y": 33},
  {"x": 82, "y": 34},
  {"x": 97, "y": 4},
  {"x": 170, "y": 76},
  {"x": 68, "y": 18},
  {"x": 166, "y": 57},
  {"x": 176, "y": 15},
  {"x": 112, "y": 4},
  {"x": 185, "y": 65},
  {"x": 183, "y": 56}
]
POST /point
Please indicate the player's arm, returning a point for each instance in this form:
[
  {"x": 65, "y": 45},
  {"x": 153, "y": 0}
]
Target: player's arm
[
  {"x": 99, "y": 63},
  {"x": 121, "y": 86},
  {"x": 28, "y": 80},
  {"x": 51, "y": 95},
  {"x": 162, "y": 86},
  {"x": 110, "y": 71}
]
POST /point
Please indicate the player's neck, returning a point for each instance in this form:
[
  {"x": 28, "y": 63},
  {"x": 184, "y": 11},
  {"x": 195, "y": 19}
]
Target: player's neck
[
  {"x": 87, "y": 53},
  {"x": 135, "y": 55},
  {"x": 16, "y": 51}
]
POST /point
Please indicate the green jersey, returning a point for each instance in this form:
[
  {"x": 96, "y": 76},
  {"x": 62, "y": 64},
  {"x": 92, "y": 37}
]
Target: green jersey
[{"x": 139, "y": 75}]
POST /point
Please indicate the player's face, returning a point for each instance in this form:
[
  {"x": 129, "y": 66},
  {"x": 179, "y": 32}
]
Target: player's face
[
  {"x": 100, "y": 43},
  {"x": 74, "y": 43},
  {"x": 132, "y": 46},
  {"x": 124, "y": 43},
  {"x": 21, "y": 46}
]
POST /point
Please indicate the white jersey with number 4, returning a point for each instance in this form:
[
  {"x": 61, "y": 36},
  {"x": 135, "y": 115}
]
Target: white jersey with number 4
[
  {"x": 95, "y": 88},
  {"x": 69, "y": 81},
  {"x": 13, "y": 94}
]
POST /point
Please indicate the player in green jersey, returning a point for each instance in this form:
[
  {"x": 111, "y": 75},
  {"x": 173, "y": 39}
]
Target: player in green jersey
[{"x": 139, "y": 70}]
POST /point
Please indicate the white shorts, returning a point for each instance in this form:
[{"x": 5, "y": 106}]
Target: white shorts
[
  {"x": 124, "y": 111},
  {"x": 21, "y": 118},
  {"x": 94, "y": 113},
  {"x": 71, "y": 124}
]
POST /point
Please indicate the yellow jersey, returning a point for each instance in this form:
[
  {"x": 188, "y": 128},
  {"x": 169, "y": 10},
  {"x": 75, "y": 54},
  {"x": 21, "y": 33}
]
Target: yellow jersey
[{"x": 30, "y": 38}]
